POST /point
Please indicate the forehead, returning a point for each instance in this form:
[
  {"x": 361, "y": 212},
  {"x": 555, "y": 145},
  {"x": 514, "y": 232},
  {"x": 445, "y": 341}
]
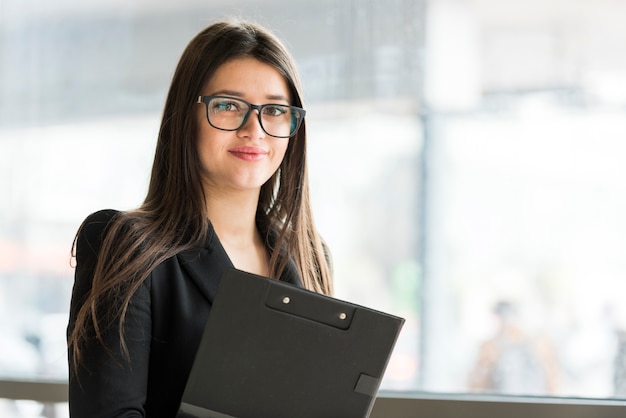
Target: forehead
[{"x": 248, "y": 77}]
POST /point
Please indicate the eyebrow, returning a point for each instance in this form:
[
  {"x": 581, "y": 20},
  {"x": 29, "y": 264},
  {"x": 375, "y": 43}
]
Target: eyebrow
[{"x": 239, "y": 94}]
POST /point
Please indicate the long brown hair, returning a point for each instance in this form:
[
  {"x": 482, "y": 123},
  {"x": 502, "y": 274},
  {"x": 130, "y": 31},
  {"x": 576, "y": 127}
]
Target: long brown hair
[{"x": 173, "y": 215}]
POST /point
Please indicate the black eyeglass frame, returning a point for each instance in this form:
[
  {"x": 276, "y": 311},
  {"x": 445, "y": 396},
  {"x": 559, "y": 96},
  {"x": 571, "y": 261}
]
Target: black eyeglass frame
[{"x": 298, "y": 110}]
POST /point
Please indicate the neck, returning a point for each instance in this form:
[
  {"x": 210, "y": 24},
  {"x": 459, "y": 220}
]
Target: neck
[
  {"x": 234, "y": 219},
  {"x": 233, "y": 216}
]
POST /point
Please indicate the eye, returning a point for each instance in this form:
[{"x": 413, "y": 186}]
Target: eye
[
  {"x": 275, "y": 110},
  {"x": 221, "y": 105}
]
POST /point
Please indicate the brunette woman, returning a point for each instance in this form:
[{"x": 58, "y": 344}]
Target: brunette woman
[{"x": 228, "y": 189}]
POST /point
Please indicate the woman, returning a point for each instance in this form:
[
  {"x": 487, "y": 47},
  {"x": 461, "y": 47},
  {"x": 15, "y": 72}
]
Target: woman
[{"x": 228, "y": 189}]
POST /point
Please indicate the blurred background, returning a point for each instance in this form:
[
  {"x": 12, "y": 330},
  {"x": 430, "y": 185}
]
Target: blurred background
[{"x": 466, "y": 157}]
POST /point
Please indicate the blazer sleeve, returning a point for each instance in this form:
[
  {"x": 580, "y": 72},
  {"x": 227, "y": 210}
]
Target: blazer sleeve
[{"x": 106, "y": 383}]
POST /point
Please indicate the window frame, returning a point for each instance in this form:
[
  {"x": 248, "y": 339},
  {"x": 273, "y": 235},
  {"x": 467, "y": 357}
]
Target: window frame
[
  {"x": 420, "y": 404},
  {"x": 398, "y": 404}
]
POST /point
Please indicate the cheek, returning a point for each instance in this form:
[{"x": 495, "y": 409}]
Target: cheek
[
  {"x": 279, "y": 155},
  {"x": 282, "y": 151},
  {"x": 206, "y": 149}
]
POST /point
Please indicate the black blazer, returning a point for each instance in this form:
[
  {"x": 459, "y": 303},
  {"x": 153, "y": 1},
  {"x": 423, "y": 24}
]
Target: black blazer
[{"x": 162, "y": 330}]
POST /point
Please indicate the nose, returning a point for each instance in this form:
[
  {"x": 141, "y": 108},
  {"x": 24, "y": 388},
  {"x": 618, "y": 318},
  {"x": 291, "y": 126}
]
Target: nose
[{"x": 252, "y": 128}]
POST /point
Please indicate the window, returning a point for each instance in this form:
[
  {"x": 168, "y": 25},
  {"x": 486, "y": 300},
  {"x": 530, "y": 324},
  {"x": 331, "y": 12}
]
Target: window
[{"x": 466, "y": 161}]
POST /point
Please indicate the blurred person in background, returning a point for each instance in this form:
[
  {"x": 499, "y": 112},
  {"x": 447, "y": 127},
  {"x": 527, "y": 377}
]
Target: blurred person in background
[{"x": 512, "y": 362}]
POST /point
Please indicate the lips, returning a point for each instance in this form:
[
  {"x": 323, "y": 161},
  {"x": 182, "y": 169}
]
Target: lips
[{"x": 248, "y": 153}]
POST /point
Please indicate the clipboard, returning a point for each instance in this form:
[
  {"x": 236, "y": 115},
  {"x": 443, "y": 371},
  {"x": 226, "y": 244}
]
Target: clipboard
[{"x": 273, "y": 350}]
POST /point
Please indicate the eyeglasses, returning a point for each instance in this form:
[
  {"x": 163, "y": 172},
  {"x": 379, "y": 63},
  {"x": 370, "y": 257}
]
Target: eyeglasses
[{"x": 230, "y": 114}]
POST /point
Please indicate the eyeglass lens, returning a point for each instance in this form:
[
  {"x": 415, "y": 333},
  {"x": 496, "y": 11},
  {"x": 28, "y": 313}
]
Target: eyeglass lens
[{"x": 230, "y": 114}]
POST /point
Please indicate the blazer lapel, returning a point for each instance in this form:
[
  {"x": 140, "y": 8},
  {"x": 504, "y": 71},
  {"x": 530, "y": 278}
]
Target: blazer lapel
[{"x": 205, "y": 265}]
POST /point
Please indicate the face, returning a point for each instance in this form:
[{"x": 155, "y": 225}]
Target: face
[{"x": 241, "y": 160}]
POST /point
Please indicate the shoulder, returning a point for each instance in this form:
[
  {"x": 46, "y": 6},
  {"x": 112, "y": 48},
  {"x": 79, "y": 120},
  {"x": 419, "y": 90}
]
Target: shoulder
[
  {"x": 87, "y": 245},
  {"x": 97, "y": 221},
  {"x": 92, "y": 231}
]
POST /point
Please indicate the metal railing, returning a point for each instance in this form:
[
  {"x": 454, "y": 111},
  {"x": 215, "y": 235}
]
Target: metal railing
[
  {"x": 390, "y": 404},
  {"x": 48, "y": 393}
]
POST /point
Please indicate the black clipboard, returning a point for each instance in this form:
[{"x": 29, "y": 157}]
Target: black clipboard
[{"x": 273, "y": 350}]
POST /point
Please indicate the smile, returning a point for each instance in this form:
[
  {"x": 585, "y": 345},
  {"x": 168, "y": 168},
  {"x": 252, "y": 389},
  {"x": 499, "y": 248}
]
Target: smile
[{"x": 248, "y": 153}]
